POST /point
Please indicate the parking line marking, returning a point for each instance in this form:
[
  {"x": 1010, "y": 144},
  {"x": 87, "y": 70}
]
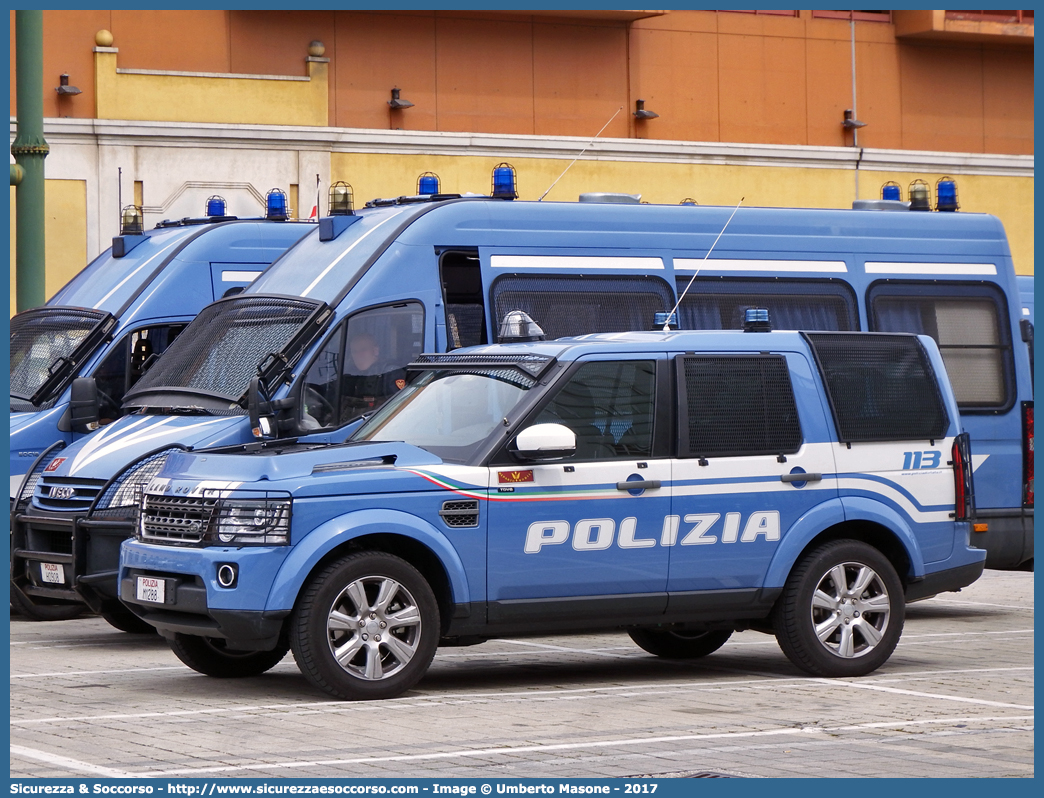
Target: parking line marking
[
  {"x": 594, "y": 744},
  {"x": 441, "y": 699},
  {"x": 72, "y": 764},
  {"x": 938, "y": 696},
  {"x": 91, "y": 673},
  {"x": 983, "y": 604}
]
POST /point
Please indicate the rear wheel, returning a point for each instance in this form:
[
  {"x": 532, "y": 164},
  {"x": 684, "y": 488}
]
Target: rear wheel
[
  {"x": 212, "y": 657},
  {"x": 680, "y": 644},
  {"x": 842, "y": 610},
  {"x": 366, "y": 627}
]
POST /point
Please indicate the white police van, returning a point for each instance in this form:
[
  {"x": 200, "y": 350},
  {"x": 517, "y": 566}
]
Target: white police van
[{"x": 674, "y": 485}]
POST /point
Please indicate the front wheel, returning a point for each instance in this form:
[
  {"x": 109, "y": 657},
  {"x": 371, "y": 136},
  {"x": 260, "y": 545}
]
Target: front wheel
[
  {"x": 212, "y": 657},
  {"x": 366, "y": 627},
  {"x": 680, "y": 644},
  {"x": 841, "y": 611}
]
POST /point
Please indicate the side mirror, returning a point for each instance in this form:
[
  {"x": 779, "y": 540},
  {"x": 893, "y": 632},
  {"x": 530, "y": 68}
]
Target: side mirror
[
  {"x": 84, "y": 408},
  {"x": 545, "y": 442},
  {"x": 259, "y": 408}
]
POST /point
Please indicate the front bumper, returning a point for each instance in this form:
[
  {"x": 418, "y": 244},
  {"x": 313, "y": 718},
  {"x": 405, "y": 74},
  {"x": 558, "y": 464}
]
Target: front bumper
[{"x": 195, "y": 603}]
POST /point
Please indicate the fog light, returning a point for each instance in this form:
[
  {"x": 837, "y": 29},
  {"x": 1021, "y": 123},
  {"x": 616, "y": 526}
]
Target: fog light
[{"x": 227, "y": 574}]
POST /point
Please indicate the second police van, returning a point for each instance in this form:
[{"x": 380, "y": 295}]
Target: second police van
[
  {"x": 677, "y": 486},
  {"x": 324, "y": 335}
]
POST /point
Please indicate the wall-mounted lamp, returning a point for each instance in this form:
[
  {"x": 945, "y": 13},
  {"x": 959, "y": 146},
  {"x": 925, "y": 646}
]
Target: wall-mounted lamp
[
  {"x": 641, "y": 113},
  {"x": 398, "y": 103},
  {"x": 63, "y": 88},
  {"x": 851, "y": 123}
]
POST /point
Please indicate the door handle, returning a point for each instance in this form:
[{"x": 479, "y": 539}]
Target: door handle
[
  {"x": 646, "y": 484},
  {"x": 810, "y": 477}
]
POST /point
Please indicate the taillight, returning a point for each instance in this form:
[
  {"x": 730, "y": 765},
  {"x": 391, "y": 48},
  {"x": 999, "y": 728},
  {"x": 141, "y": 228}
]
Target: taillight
[
  {"x": 964, "y": 499},
  {"x": 1027, "y": 454}
]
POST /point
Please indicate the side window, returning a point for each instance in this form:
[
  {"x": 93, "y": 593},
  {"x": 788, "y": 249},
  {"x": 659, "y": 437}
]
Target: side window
[
  {"x": 965, "y": 322},
  {"x": 363, "y": 364},
  {"x": 736, "y": 405},
  {"x": 126, "y": 363},
  {"x": 609, "y": 406},
  {"x": 719, "y": 303}
]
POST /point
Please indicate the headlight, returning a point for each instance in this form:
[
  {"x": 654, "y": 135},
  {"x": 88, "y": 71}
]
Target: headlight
[{"x": 246, "y": 522}]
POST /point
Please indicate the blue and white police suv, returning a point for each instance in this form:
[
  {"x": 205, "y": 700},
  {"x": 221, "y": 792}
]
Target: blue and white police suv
[{"x": 677, "y": 486}]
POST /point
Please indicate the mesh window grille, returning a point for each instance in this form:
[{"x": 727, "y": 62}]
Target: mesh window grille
[
  {"x": 739, "y": 405},
  {"x": 125, "y": 490},
  {"x": 565, "y": 305},
  {"x": 720, "y": 304},
  {"x": 220, "y": 350},
  {"x": 881, "y": 387},
  {"x": 26, "y": 494},
  {"x": 39, "y": 338}
]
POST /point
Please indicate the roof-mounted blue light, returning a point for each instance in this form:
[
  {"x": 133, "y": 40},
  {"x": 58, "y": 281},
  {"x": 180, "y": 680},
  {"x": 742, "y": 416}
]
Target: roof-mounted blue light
[
  {"x": 892, "y": 191},
  {"x": 946, "y": 194},
  {"x": 216, "y": 206},
  {"x": 504, "y": 182},
  {"x": 756, "y": 320},
  {"x": 276, "y": 207},
  {"x": 428, "y": 183},
  {"x": 660, "y": 319}
]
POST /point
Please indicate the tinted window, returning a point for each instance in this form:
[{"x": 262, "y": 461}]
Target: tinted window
[
  {"x": 609, "y": 406},
  {"x": 564, "y": 306},
  {"x": 737, "y": 405},
  {"x": 966, "y": 324},
  {"x": 881, "y": 387},
  {"x": 720, "y": 303}
]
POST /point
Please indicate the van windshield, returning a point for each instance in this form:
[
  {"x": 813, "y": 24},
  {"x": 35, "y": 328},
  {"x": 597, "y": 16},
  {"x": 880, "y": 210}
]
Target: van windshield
[
  {"x": 322, "y": 270},
  {"x": 40, "y": 339},
  {"x": 449, "y": 413},
  {"x": 219, "y": 352}
]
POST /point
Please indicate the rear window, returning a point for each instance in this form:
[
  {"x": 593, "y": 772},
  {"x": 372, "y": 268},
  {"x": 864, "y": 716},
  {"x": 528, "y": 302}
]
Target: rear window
[
  {"x": 736, "y": 405},
  {"x": 715, "y": 303},
  {"x": 880, "y": 387},
  {"x": 965, "y": 322},
  {"x": 568, "y": 305}
]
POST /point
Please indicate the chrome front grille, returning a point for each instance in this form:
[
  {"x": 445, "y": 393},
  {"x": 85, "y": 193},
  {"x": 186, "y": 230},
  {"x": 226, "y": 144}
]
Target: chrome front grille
[
  {"x": 174, "y": 520},
  {"x": 66, "y": 494}
]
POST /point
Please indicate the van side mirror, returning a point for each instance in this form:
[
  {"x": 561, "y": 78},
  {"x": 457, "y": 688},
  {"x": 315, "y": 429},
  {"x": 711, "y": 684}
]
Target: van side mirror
[
  {"x": 545, "y": 442},
  {"x": 84, "y": 407},
  {"x": 259, "y": 408}
]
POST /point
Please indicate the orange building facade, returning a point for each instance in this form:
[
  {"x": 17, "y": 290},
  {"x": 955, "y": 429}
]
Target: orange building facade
[{"x": 746, "y": 103}]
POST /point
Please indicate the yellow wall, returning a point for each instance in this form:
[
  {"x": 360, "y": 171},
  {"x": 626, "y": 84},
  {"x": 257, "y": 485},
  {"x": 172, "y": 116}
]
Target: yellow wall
[
  {"x": 371, "y": 175},
  {"x": 65, "y": 244}
]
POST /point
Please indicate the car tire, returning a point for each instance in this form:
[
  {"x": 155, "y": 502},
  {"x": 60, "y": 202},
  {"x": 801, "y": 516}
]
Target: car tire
[
  {"x": 211, "y": 656},
  {"x": 842, "y": 610},
  {"x": 127, "y": 621},
  {"x": 45, "y": 612},
  {"x": 366, "y": 627},
  {"x": 680, "y": 644}
]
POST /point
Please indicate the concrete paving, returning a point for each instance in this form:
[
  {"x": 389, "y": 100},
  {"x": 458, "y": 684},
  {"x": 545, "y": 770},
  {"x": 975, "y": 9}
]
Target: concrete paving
[{"x": 955, "y": 700}]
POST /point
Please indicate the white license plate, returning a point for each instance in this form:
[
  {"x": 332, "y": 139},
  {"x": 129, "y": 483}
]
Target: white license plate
[
  {"x": 150, "y": 589},
  {"x": 52, "y": 573}
]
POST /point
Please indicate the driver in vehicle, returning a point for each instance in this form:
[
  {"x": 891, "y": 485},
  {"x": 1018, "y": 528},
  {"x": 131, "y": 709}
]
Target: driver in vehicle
[{"x": 367, "y": 381}]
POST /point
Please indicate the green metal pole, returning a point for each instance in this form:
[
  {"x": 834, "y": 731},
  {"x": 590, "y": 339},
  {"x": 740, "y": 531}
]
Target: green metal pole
[{"x": 29, "y": 150}]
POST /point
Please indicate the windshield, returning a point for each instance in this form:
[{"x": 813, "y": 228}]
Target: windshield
[
  {"x": 220, "y": 350},
  {"x": 107, "y": 283},
  {"x": 39, "y": 339},
  {"x": 449, "y": 413},
  {"x": 322, "y": 269}
]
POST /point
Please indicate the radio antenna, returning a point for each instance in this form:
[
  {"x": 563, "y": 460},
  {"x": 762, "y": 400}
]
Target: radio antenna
[
  {"x": 577, "y": 158},
  {"x": 667, "y": 324}
]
